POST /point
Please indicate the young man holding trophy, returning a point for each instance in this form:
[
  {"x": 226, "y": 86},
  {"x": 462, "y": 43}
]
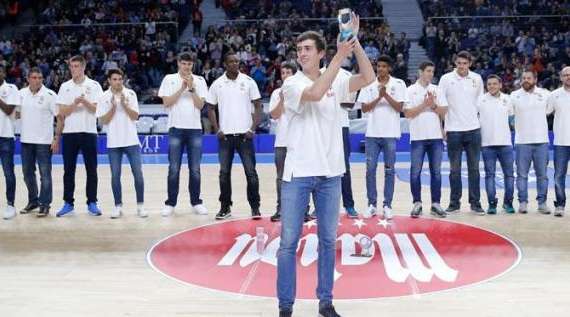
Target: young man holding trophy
[{"x": 315, "y": 155}]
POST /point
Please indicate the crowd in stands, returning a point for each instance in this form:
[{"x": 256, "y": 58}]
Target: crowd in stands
[
  {"x": 501, "y": 44},
  {"x": 145, "y": 50}
]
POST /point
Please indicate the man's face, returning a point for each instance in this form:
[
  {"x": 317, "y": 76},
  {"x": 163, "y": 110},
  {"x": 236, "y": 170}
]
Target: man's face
[
  {"x": 428, "y": 73},
  {"x": 565, "y": 76},
  {"x": 286, "y": 73},
  {"x": 232, "y": 64},
  {"x": 383, "y": 69},
  {"x": 308, "y": 55},
  {"x": 185, "y": 67},
  {"x": 528, "y": 80},
  {"x": 77, "y": 69},
  {"x": 116, "y": 82},
  {"x": 493, "y": 86},
  {"x": 462, "y": 65},
  {"x": 35, "y": 80}
]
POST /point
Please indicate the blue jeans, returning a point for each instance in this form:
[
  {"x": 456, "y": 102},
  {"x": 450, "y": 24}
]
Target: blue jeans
[
  {"x": 561, "y": 157},
  {"x": 373, "y": 148},
  {"x": 40, "y": 153},
  {"x": 7, "y": 158},
  {"x": 505, "y": 156},
  {"x": 178, "y": 141},
  {"x": 244, "y": 146},
  {"x": 470, "y": 142},
  {"x": 295, "y": 198},
  {"x": 538, "y": 155},
  {"x": 115, "y": 159},
  {"x": 434, "y": 151},
  {"x": 346, "y": 180}
]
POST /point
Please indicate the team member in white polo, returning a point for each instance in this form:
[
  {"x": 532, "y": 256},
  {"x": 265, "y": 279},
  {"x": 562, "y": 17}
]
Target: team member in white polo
[
  {"x": 426, "y": 138},
  {"x": 494, "y": 110},
  {"x": 459, "y": 91},
  {"x": 9, "y": 100},
  {"x": 383, "y": 101},
  {"x": 277, "y": 112},
  {"x": 315, "y": 160},
  {"x": 38, "y": 142},
  {"x": 118, "y": 109},
  {"x": 77, "y": 99},
  {"x": 531, "y": 140},
  {"x": 233, "y": 94},
  {"x": 183, "y": 95},
  {"x": 559, "y": 103}
]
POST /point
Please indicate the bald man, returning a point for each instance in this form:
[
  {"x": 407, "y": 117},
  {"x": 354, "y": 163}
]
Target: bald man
[{"x": 559, "y": 104}]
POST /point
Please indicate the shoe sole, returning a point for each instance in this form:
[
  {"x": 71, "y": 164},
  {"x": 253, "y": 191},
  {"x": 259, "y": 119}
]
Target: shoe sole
[
  {"x": 71, "y": 213},
  {"x": 433, "y": 213},
  {"x": 223, "y": 217},
  {"x": 415, "y": 215},
  {"x": 9, "y": 218},
  {"x": 479, "y": 213},
  {"x": 559, "y": 215},
  {"x": 256, "y": 217},
  {"x": 274, "y": 220},
  {"x": 351, "y": 216}
]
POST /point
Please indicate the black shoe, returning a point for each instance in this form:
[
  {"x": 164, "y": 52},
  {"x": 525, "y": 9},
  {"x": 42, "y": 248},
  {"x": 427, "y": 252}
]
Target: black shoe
[
  {"x": 328, "y": 311},
  {"x": 29, "y": 208},
  {"x": 255, "y": 214},
  {"x": 453, "y": 208},
  {"x": 276, "y": 217},
  {"x": 478, "y": 210},
  {"x": 224, "y": 213},
  {"x": 44, "y": 211},
  {"x": 285, "y": 313}
]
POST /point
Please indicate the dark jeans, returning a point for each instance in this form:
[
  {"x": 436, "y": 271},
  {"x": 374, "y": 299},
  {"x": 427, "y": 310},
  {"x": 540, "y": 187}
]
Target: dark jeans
[
  {"x": 470, "y": 142},
  {"x": 561, "y": 157},
  {"x": 505, "y": 156},
  {"x": 244, "y": 147},
  {"x": 7, "y": 157},
  {"x": 73, "y": 143},
  {"x": 180, "y": 140},
  {"x": 434, "y": 151},
  {"x": 346, "y": 181},
  {"x": 116, "y": 159},
  {"x": 280, "y": 155},
  {"x": 40, "y": 153}
]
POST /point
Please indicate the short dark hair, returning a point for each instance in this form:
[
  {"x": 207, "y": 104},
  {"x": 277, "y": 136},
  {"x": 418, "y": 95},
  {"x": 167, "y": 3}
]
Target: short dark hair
[
  {"x": 78, "y": 58},
  {"x": 464, "y": 54},
  {"x": 529, "y": 70},
  {"x": 228, "y": 54},
  {"x": 36, "y": 70},
  {"x": 290, "y": 66},
  {"x": 385, "y": 59},
  {"x": 185, "y": 56},
  {"x": 495, "y": 76},
  {"x": 425, "y": 65},
  {"x": 114, "y": 71},
  {"x": 319, "y": 40}
]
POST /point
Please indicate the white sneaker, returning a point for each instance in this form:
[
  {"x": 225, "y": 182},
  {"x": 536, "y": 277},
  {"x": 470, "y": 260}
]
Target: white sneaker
[
  {"x": 9, "y": 212},
  {"x": 559, "y": 211},
  {"x": 141, "y": 212},
  {"x": 117, "y": 212},
  {"x": 387, "y": 211},
  {"x": 200, "y": 209},
  {"x": 369, "y": 212},
  {"x": 167, "y": 211}
]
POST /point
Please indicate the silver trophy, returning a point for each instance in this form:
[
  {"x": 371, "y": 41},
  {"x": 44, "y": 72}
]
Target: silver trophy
[
  {"x": 365, "y": 246},
  {"x": 345, "y": 24}
]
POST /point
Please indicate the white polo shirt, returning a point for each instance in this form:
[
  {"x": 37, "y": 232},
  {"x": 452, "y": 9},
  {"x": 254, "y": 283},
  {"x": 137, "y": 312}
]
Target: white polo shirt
[
  {"x": 559, "y": 103},
  {"x": 10, "y": 95},
  {"x": 460, "y": 95},
  {"x": 37, "y": 112},
  {"x": 183, "y": 114},
  {"x": 314, "y": 138},
  {"x": 121, "y": 130},
  {"x": 530, "y": 115},
  {"x": 80, "y": 120},
  {"x": 234, "y": 99},
  {"x": 282, "y": 122},
  {"x": 383, "y": 120},
  {"x": 427, "y": 124},
  {"x": 494, "y": 115},
  {"x": 345, "y": 121}
]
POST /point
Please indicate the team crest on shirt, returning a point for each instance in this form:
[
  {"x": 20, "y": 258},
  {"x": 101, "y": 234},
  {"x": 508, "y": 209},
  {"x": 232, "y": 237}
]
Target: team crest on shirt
[
  {"x": 88, "y": 90},
  {"x": 242, "y": 86},
  {"x": 392, "y": 90},
  {"x": 41, "y": 100}
]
